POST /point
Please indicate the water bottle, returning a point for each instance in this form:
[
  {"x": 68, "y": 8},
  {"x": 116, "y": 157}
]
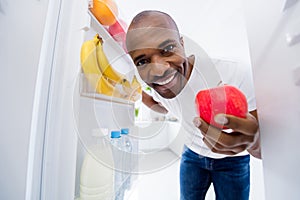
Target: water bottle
[
  {"x": 115, "y": 139},
  {"x": 117, "y": 153},
  {"x": 127, "y": 158},
  {"x": 126, "y": 142}
]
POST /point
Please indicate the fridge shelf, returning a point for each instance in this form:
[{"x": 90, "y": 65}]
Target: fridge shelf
[
  {"x": 98, "y": 27},
  {"x": 117, "y": 57},
  {"x": 102, "y": 97},
  {"x": 104, "y": 34},
  {"x": 86, "y": 90}
]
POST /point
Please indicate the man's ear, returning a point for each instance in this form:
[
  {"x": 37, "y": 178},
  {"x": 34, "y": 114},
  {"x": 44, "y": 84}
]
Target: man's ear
[{"x": 181, "y": 41}]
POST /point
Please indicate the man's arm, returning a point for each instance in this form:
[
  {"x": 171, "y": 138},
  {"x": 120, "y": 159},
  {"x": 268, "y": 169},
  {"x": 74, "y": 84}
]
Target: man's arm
[{"x": 152, "y": 104}]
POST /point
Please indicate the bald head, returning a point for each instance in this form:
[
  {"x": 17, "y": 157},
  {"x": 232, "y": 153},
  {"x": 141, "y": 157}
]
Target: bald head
[
  {"x": 153, "y": 18},
  {"x": 150, "y": 25}
]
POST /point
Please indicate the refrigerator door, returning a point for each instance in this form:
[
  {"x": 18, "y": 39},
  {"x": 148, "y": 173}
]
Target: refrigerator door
[
  {"x": 73, "y": 114},
  {"x": 24, "y": 85},
  {"x": 67, "y": 19},
  {"x": 273, "y": 33}
]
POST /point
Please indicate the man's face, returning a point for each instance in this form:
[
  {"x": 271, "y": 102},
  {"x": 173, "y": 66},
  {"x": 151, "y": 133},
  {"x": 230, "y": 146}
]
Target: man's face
[{"x": 159, "y": 56}]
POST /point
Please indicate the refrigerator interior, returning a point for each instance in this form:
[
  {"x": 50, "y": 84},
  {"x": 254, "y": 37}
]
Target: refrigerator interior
[
  {"x": 99, "y": 112},
  {"x": 54, "y": 123},
  {"x": 63, "y": 152}
]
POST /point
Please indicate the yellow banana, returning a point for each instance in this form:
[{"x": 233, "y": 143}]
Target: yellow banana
[
  {"x": 90, "y": 67},
  {"x": 126, "y": 86},
  {"x": 105, "y": 66},
  {"x": 89, "y": 63},
  {"x": 105, "y": 87},
  {"x": 134, "y": 90},
  {"x": 135, "y": 84}
]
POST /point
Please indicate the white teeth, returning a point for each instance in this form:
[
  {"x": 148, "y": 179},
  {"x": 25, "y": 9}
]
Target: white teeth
[{"x": 166, "y": 81}]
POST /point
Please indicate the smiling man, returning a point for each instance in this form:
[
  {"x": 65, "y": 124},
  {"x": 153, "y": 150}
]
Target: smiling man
[
  {"x": 166, "y": 76},
  {"x": 210, "y": 155}
]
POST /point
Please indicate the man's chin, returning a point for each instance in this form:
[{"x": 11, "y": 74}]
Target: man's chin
[{"x": 167, "y": 93}]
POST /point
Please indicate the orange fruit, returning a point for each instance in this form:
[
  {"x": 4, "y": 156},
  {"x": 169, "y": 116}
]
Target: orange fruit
[{"x": 105, "y": 11}]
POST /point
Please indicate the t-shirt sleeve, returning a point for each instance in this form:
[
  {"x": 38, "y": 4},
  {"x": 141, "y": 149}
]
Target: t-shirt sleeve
[{"x": 247, "y": 87}]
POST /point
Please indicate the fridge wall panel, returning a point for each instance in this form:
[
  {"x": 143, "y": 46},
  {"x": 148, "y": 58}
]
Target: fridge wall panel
[
  {"x": 21, "y": 39},
  {"x": 275, "y": 64}
]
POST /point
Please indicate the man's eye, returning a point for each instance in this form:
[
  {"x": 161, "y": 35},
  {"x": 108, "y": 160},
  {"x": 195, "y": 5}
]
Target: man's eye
[
  {"x": 141, "y": 62},
  {"x": 168, "y": 49}
]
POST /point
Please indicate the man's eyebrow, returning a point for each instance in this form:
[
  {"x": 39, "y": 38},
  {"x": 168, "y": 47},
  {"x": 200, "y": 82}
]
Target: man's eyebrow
[
  {"x": 164, "y": 43},
  {"x": 139, "y": 57}
]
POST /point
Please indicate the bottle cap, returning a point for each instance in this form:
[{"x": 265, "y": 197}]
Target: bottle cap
[
  {"x": 115, "y": 134},
  {"x": 124, "y": 131}
]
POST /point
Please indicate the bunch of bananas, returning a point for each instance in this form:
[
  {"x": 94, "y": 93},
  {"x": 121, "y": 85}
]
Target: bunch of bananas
[{"x": 101, "y": 75}]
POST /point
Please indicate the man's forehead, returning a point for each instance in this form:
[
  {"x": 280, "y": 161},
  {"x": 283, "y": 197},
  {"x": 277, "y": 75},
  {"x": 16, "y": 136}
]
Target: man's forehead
[
  {"x": 149, "y": 37},
  {"x": 153, "y": 19}
]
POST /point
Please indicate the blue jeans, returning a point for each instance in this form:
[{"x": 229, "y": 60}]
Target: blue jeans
[{"x": 230, "y": 176}]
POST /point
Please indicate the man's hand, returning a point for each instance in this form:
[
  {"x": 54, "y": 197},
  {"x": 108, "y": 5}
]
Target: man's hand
[
  {"x": 152, "y": 104},
  {"x": 244, "y": 135}
]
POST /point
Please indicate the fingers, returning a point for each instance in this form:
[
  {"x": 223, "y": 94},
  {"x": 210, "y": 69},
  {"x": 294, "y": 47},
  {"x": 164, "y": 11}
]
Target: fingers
[
  {"x": 208, "y": 131},
  {"x": 247, "y": 126},
  {"x": 221, "y": 142},
  {"x": 215, "y": 135}
]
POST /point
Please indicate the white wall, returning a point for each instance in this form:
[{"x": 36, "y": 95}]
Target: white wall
[
  {"x": 218, "y": 27},
  {"x": 22, "y": 24}
]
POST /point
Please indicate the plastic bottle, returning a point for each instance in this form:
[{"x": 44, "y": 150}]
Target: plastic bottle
[
  {"x": 97, "y": 174},
  {"x": 115, "y": 139},
  {"x": 126, "y": 159},
  {"x": 126, "y": 142}
]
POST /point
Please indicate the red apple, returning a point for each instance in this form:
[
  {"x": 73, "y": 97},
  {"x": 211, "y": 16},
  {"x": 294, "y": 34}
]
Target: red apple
[
  {"x": 222, "y": 99},
  {"x": 118, "y": 32},
  {"x": 118, "y": 28}
]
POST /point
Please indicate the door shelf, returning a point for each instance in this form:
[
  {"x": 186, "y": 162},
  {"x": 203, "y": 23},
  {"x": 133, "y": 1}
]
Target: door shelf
[
  {"x": 116, "y": 55},
  {"x": 104, "y": 34},
  {"x": 99, "y": 112},
  {"x": 87, "y": 91},
  {"x": 102, "y": 97}
]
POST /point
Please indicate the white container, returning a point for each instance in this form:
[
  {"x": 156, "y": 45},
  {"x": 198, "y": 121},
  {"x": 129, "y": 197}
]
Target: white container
[{"x": 97, "y": 172}]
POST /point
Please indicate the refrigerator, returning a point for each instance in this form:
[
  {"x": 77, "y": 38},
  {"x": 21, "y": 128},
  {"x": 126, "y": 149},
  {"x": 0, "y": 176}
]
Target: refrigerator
[
  {"x": 273, "y": 29},
  {"x": 44, "y": 104},
  {"x": 48, "y": 114}
]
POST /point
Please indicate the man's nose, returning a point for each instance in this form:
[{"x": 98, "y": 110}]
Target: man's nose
[{"x": 159, "y": 65}]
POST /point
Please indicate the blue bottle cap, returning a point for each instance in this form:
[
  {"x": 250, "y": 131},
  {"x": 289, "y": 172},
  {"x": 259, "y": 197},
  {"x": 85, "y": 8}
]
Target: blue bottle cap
[
  {"x": 124, "y": 131},
  {"x": 115, "y": 134}
]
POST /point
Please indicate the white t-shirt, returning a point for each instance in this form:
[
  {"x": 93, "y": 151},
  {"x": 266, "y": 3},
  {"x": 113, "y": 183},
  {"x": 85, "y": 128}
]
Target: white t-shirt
[{"x": 184, "y": 108}]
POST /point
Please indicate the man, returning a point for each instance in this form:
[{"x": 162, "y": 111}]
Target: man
[{"x": 211, "y": 155}]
